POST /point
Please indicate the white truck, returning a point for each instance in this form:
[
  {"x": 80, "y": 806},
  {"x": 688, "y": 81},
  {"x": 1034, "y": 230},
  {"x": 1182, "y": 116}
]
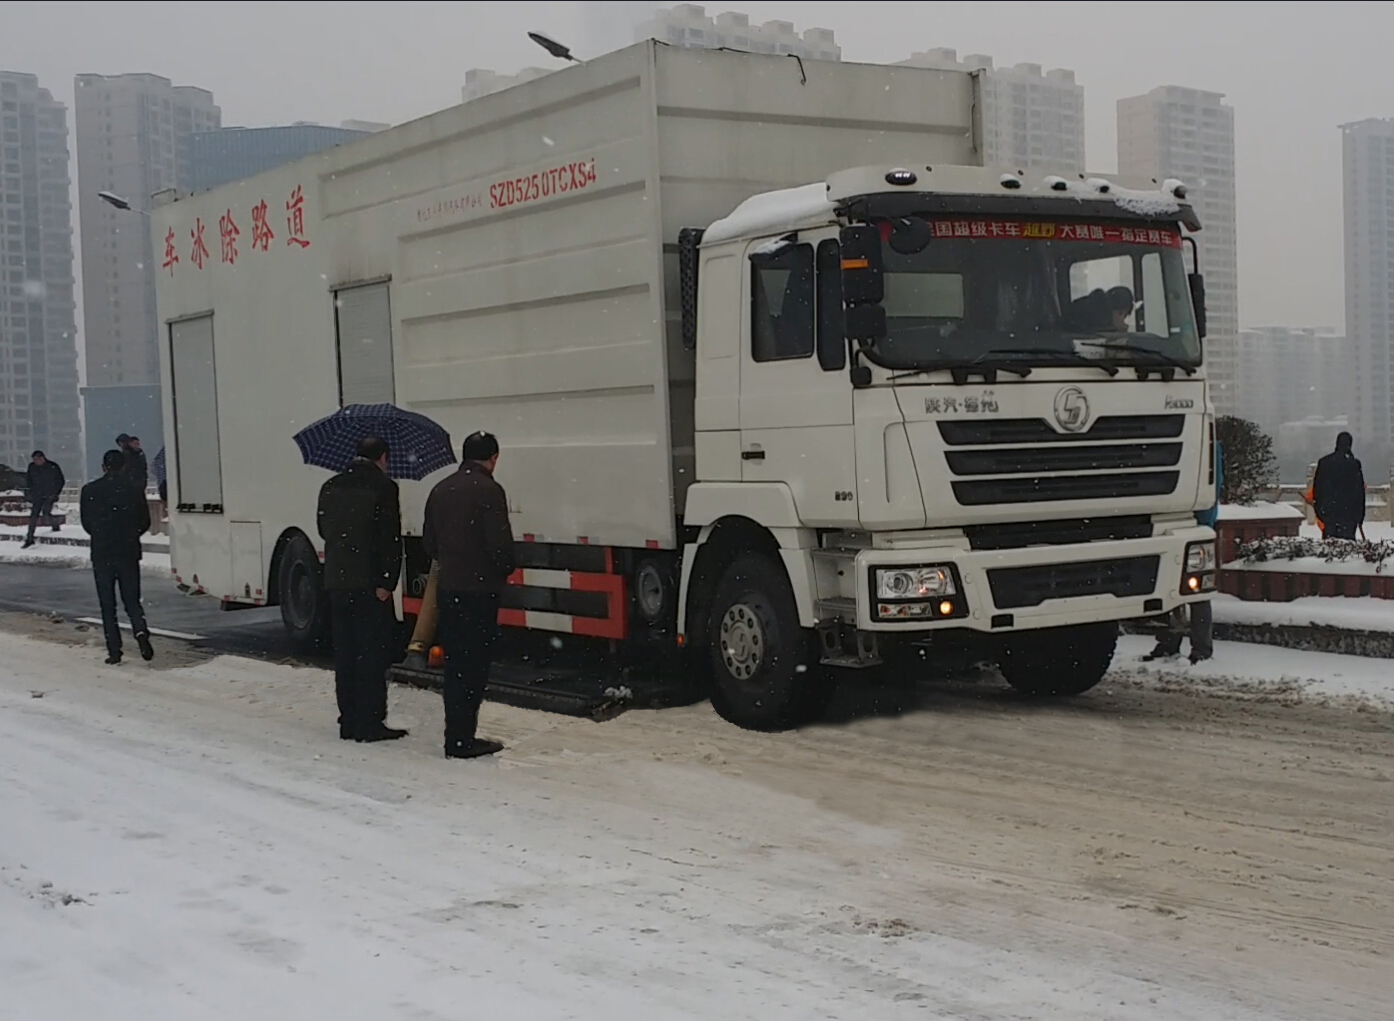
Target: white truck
[{"x": 782, "y": 425}]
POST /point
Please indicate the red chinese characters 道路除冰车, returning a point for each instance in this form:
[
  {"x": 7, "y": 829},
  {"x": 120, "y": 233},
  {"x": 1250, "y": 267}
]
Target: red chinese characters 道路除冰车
[
  {"x": 262, "y": 234},
  {"x": 228, "y": 233},
  {"x": 199, "y": 252},
  {"x": 295, "y": 218},
  {"x": 171, "y": 256}
]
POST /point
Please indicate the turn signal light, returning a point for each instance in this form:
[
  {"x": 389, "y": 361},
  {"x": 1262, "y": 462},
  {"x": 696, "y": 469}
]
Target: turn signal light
[{"x": 437, "y": 657}]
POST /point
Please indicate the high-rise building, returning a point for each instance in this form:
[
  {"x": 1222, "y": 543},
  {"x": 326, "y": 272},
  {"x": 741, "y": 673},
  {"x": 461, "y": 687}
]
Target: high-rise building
[
  {"x": 1368, "y": 157},
  {"x": 230, "y": 154},
  {"x": 1292, "y": 373},
  {"x": 134, "y": 138},
  {"x": 689, "y": 25},
  {"x": 1187, "y": 134},
  {"x": 38, "y": 333},
  {"x": 1031, "y": 120}
]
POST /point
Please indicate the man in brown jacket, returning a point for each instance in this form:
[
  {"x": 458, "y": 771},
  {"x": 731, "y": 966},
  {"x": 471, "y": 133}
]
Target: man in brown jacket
[{"x": 467, "y": 533}]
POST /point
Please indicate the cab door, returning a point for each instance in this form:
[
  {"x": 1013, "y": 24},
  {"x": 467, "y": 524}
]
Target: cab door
[{"x": 796, "y": 398}]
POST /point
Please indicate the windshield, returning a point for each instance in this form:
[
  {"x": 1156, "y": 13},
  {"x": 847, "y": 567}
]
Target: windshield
[{"x": 1032, "y": 292}]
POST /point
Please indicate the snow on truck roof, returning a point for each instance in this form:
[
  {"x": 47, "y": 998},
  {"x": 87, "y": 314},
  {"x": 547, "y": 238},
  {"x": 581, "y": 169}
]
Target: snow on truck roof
[{"x": 787, "y": 209}]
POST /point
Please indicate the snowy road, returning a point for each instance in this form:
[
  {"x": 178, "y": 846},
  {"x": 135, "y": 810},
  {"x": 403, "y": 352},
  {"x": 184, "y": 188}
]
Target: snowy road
[{"x": 193, "y": 842}]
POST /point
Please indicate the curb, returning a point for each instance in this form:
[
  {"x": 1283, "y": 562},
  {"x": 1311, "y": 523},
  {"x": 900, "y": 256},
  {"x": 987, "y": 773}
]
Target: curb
[
  {"x": 1312, "y": 638},
  {"x": 48, "y": 540}
]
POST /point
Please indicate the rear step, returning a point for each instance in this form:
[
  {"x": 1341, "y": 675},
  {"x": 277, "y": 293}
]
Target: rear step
[{"x": 567, "y": 692}]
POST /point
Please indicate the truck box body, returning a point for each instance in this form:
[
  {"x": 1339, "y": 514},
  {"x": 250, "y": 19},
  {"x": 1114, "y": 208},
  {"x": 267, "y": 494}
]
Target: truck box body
[{"x": 508, "y": 264}]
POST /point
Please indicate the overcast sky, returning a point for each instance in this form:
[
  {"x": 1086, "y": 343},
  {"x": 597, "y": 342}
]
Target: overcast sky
[{"x": 1292, "y": 72}]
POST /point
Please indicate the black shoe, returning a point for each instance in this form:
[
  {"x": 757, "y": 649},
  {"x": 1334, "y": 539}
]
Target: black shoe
[
  {"x": 472, "y": 749},
  {"x": 114, "y": 659},
  {"x": 1196, "y": 657},
  {"x": 27, "y": 543},
  {"x": 147, "y": 651},
  {"x": 57, "y": 528},
  {"x": 380, "y": 733}
]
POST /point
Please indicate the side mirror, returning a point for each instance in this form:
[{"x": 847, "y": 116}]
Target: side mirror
[
  {"x": 832, "y": 330},
  {"x": 1197, "y": 282},
  {"x": 688, "y": 240},
  {"x": 863, "y": 280}
]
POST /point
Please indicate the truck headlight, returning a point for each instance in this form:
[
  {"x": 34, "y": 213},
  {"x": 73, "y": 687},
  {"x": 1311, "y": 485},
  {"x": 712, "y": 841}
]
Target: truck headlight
[
  {"x": 1201, "y": 562},
  {"x": 917, "y": 593},
  {"x": 914, "y": 582},
  {"x": 1200, "y": 557}
]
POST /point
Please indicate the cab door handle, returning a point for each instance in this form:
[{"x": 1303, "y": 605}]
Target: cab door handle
[{"x": 752, "y": 455}]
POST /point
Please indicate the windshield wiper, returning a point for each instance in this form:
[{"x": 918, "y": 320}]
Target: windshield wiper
[
  {"x": 1057, "y": 357},
  {"x": 1160, "y": 358},
  {"x": 961, "y": 371}
]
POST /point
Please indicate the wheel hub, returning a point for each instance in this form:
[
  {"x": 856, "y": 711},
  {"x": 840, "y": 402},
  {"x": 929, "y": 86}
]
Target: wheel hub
[{"x": 742, "y": 641}]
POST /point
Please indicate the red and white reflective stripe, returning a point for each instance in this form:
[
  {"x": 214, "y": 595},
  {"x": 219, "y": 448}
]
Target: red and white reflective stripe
[{"x": 615, "y": 623}]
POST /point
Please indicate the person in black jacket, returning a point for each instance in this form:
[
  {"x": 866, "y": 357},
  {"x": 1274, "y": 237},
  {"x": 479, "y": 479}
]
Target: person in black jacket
[
  {"x": 136, "y": 472},
  {"x": 467, "y": 533},
  {"x": 360, "y": 522},
  {"x": 116, "y": 515},
  {"x": 1338, "y": 491},
  {"x": 44, "y": 481}
]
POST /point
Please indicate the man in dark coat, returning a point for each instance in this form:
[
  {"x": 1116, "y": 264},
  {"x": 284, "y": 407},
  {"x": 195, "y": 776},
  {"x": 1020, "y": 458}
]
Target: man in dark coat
[
  {"x": 116, "y": 515},
  {"x": 44, "y": 480},
  {"x": 467, "y": 533},
  {"x": 360, "y": 522},
  {"x": 137, "y": 472},
  {"x": 1338, "y": 491}
]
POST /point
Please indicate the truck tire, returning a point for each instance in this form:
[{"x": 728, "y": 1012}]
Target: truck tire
[
  {"x": 763, "y": 674},
  {"x": 304, "y": 602},
  {"x": 1059, "y": 661}
]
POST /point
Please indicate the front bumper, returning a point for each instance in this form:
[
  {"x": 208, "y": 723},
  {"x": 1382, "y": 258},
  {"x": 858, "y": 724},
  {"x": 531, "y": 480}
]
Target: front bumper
[{"x": 992, "y": 601}]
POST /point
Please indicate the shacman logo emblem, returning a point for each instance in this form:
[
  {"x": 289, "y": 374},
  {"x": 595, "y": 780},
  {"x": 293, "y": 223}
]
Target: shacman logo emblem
[{"x": 1072, "y": 409}]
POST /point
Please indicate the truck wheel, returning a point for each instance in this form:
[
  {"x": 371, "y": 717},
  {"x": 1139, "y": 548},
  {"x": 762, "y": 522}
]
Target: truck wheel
[
  {"x": 763, "y": 675},
  {"x": 304, "y": 602},
  {"x": 1059, "y": 661}
]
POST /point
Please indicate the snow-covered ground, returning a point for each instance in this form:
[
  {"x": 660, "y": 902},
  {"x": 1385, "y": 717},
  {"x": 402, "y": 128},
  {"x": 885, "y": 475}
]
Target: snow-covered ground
[
  {"x": 72, "y": 547},
  {"x": 1241, "y": 667},
  {"x": 1360, "y": 614},
  {"x": 192, "y": 841},
  {"x": 11, "y": 552}
]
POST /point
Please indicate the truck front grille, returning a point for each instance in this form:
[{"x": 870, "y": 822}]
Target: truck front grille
[
  {"x": 1021, "y": 534},
  {"x": 984, "y": 432},
  {"x": 1040, "y": 489},
  {"x": 1017, "y": 460},
  {"x": 1024, "y": 455},
  {"x": 1017, "y": 587}
]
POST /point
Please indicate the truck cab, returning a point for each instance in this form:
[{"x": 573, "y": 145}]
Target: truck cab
[{"x": 941, "y": 403}]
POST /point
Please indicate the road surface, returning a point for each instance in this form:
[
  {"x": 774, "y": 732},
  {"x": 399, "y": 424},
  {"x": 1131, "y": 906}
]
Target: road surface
[{"x": 192, "y": 840}]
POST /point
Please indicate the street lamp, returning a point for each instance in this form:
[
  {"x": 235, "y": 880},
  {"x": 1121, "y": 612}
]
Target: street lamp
[
  {"x": 553, "y": 47},
  {"x": 116, "y": 201}
]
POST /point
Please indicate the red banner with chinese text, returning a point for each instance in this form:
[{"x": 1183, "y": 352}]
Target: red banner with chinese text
[{"x": 1055, "y": 231}]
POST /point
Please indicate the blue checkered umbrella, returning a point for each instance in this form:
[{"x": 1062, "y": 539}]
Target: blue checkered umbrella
[
  {"x": 416, "y": 446},
  {"x": 158, "y": 467}
]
